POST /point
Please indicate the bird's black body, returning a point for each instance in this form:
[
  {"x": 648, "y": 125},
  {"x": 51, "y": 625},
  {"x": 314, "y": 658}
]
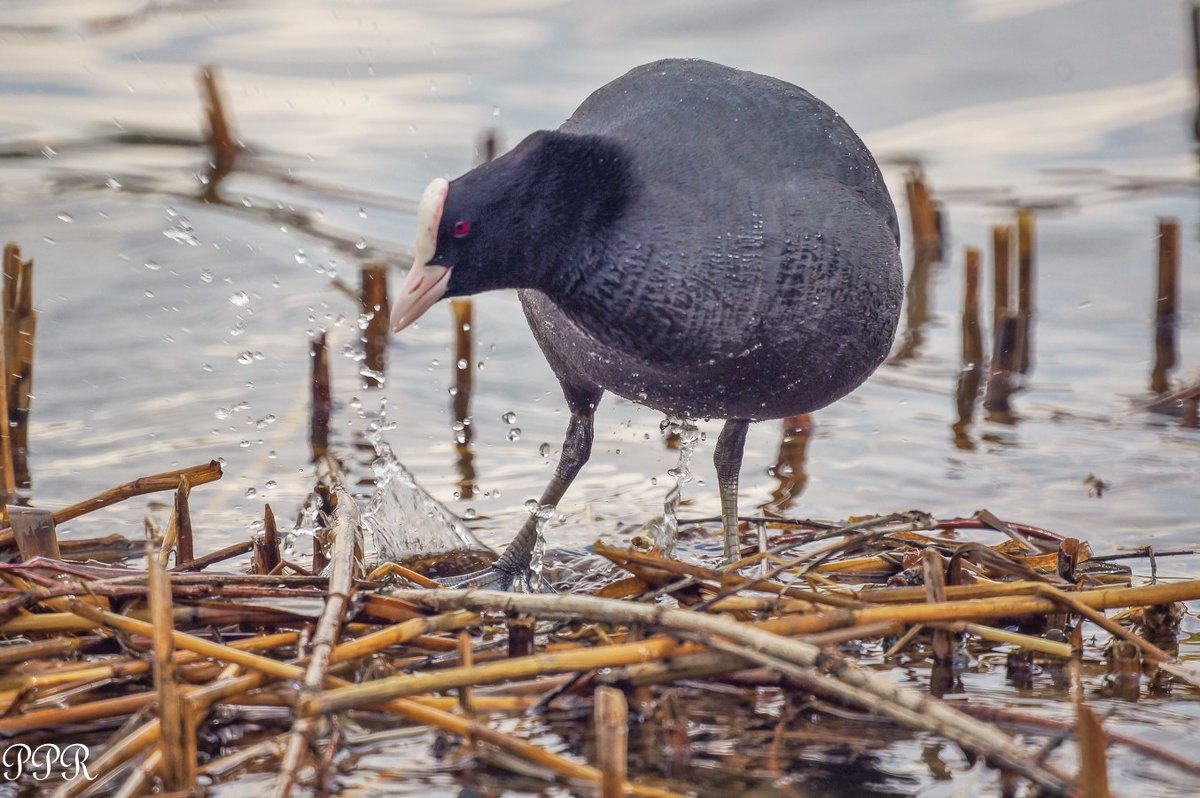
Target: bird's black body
[
  {"x": 702, "y": 240},
  {"x": 753, "y": 273}
]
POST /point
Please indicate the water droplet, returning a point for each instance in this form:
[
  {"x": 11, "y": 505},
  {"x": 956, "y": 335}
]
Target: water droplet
[
  {"x": 113, "y": 184},
  {"x": 532, "y": 505},
  {"x": 239, "y": 299},
  {"x": 246, "y": 201},
  {"x": 544, "y": 450},
  {"x": 360, "y": 243},
  {"x": 271, "y": 455},
  {"x": 206, "y": 276},
  {"x": 265, "y": 421},
  {"x": 222, "y": 413},
  {"x": 246, "y": 357},
  {"x": 250, "y": 492},
  {"x": 245, "y": 444},
  {"x": 462, "y": 364},
  {"x": 270, "y": 484},
  {"x": 149, "y": 294},
  {"x": 469, "y": 513},
  {"x": 65, "y": 217},
  {"x": 510, "y": 417},
  {"x": 48, "y": 152},
  {"x": 152, "y": 265},
  {"x": 362, "y": 213},
  {"x": 48, "y": 239},
  {"x": 207, "y": 367},
  {"x": 514, "y": 434}
]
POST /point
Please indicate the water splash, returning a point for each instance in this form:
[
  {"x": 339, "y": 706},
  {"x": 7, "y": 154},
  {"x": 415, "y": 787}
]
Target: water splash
[
  {"x": 531, "y": 580},
  {"x": 401, "y": 519},
  {"x": 665, "y": 532}
]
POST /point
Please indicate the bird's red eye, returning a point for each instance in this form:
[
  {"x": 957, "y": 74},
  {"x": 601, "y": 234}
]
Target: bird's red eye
[{"x": 461, "y": 228}]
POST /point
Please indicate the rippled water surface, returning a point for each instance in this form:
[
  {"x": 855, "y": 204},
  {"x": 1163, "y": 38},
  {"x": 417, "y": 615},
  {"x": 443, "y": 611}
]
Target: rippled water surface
[{"x": 174, "y": 331}]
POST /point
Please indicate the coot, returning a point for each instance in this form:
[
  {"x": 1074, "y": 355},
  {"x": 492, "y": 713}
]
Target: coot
[{"x": 708, "y": 242}]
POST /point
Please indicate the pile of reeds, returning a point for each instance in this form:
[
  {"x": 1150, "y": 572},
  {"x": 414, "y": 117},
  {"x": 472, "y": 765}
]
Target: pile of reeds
[{"x": 159, "y": 655}]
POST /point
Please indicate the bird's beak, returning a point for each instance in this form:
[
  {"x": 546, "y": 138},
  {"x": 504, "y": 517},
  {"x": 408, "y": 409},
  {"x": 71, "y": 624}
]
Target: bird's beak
[{"x": 424, "y": 284}]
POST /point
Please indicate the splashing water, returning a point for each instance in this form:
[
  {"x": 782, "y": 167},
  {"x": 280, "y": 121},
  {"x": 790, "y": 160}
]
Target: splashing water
[
  {"x": 531, "y": 579},
  {"x": 665, "y": 533},
  {"x": 401, "y": 518}
]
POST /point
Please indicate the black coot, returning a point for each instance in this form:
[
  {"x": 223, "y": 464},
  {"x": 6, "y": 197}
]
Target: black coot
[{"x": 702, "y": 240}]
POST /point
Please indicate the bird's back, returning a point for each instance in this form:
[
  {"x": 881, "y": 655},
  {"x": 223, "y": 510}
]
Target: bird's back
[{"x": 756, "y": 271}]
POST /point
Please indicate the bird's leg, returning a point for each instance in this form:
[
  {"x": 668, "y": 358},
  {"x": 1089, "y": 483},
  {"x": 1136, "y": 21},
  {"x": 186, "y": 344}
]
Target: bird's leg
[
  {"x": 728, "y": 459},
  {"x": 576, "y": 449}
]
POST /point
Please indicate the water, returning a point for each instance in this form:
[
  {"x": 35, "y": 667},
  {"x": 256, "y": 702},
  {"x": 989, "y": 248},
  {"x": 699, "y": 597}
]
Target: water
[{"x": 171, "y": 329}]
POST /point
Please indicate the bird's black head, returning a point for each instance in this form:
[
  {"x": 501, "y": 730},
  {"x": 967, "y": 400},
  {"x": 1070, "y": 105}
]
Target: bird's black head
[{"x": 520, "y": 221}]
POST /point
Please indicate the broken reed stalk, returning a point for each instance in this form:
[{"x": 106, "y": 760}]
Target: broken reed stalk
[
  {"x": 19, "y": 326},
  {"x": 1001, "y": 274},
  {"x": 466, "y": 659},
  {"x": 374, "y": 300},
  {"x": 970, "y": 375},
  {"x": 177, "y": 735},
  {"x": 1196, "y": 65},
  {"x": 1093, "y": 760},
  {"x": 168, "y": 480},
  {"x": 184, "y": 544},
  {"x": 611, "y": 719},
  {"x": 462, "y": 311},
  {"x": 266, "y": 548},
  {"x": 34, "y": 532},
  {"x": 322, "y": 399},
  {"x": 223, "y": 147},
  {"x": 1026, "y": 259},
  {"x": 8, "y": 484},
  {"x": 346, "y": 534},
  {"x": 220, "y": 555},
  {"x": 927, "y": 250},
  {"x": 754, "y": 642},
  {"x": 1165, "y": 305},
  {"x": 1002, "y": 373}
]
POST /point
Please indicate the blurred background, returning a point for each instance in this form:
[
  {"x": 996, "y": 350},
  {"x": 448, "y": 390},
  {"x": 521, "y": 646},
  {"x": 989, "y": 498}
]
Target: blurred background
[{"x": 173, "y": 330}]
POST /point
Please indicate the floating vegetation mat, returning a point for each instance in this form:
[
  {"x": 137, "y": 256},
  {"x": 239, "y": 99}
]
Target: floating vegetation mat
[{"x": 176, "y": 676}]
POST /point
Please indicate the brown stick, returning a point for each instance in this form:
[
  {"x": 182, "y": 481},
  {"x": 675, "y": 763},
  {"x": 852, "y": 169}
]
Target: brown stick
[
  {"x": 1093, "y": 761},
  {"x": 970, "y": 375},
  {"x": 266, "y": 549},
  {"x": 1001, "y": 374},
  {"x": 177, "y": 739},
  {"x": 611, "y": 718},
  {"x": 220, "y": 139},
  {"x": 20, "y": 325},
  {"x": 1001, "y": 276},
  {"x": 1025, "y": 294},
  {"x": 927, "y": 250},
  {"x": 1165, "y": 305},
  {"x": 346, "y": 534},
  {"x": 33, "y": 529},
  {"x": 374, "y": 300},
  {"x": 184, "y": 546},
  {"x": 227, "y": 553},
  {"x": 462, "y": 379},
  {"x": 168, "y": 480},
  {"x": 322, "y": 399}
]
